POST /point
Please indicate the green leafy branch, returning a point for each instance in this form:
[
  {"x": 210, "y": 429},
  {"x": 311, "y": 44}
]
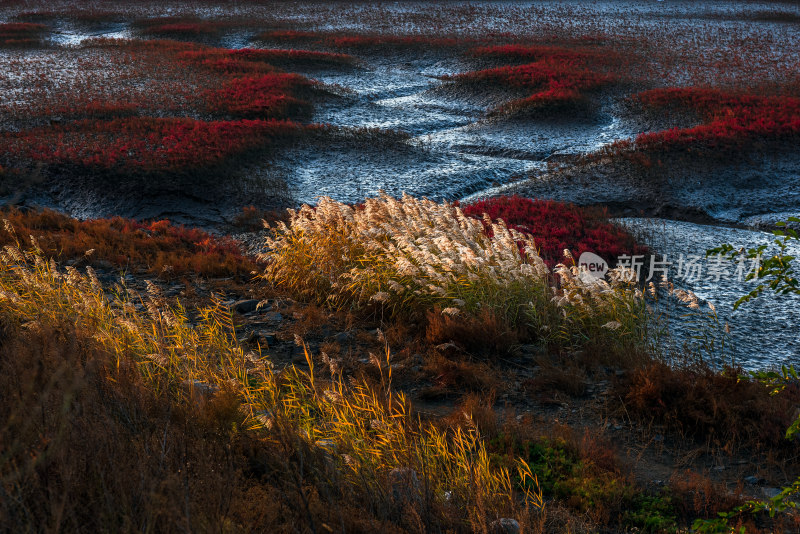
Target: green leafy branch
[
  {"x": 778, "y": 275},
  {"x": 777, "y": 271}
]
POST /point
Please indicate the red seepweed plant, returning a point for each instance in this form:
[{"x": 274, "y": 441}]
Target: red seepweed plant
[
  {"x": 560, "y": 78},
  {"x": 556, "y": 226},
  {"x": 144, "y": 144},
  {"x": 730, "y": 121},
  {"x": 255, "y": 60},
  {"x": 127, "y": 129},
  {"x": 266, "y": 96},
  {"x": 157, "y": 247}
]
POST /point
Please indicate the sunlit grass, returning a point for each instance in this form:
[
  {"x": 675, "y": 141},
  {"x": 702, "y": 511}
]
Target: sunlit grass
[
  {"x": 366, "y": 431},
  {"x": 406, "y": 256}
]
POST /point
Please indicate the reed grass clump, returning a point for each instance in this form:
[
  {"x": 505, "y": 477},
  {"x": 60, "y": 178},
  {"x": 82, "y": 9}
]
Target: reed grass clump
[
  {"x": 407, "y": 256},
  {"x": 345, "y": 440}
]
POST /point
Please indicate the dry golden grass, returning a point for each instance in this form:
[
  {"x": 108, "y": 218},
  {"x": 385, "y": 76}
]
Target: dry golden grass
[
  {"x": 403, "y": 257},
  {"x": 104, "y": 363}
]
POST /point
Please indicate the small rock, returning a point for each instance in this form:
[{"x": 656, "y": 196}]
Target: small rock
[
  {"x": 103, "y": 264},
  {"x": 770, "y": 493},
  {"x": 342, "y": 338},
  {"x": 267, "y": 338},
  {"x": 274, "y": 317},
  {"x": 326, "y": 444},
  {"x": 245, "y": 306},
  {"x": 504, "y": 525},
  {"x": 752, "y": 480}
]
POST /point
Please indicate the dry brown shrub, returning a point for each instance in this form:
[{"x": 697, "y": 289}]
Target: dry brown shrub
[
  {"x": 309, "y": 319},
  {"x": 485, "y": 335},
  {"x": 453, "y": 376},
  {"x": 476, "y": 410},
  {"x": 558, "y": 377},
  {"x": 158, "y": 248},
  {"x": 718, "y": 407},
  {"x": 696, "y": 495},
  {"x": 253, "y": 219}
]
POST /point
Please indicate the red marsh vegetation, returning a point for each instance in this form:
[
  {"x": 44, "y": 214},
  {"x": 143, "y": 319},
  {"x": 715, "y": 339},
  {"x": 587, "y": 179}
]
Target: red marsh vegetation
[
  {"x": 730, "y": 122},
  {"x": 165, "y": 107},
  {"x": 144, "y": 144},
  {"x": 158, "y": 247},
  {"x": 557, "y": 226},
  {"x": 558, "y": 78}
]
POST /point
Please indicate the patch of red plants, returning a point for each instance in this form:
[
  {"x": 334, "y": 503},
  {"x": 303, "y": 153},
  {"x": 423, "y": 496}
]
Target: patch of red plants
[
  {"x": 21, "y": 33},
  {"x": 559, "y": 78},
  {"x": 251, "y": 60},
  {"x": 145, "y": 144},
  {"x": 266, "y": 96},
  {"x": 115, "y": 129},
  {"x": 158, "y": 247},
  {"x": 730, "y": 121},
  {"x": 178, "y": 27},
  {"x": 112, "y": 78},
  {"x": 556, "y": 226}
]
